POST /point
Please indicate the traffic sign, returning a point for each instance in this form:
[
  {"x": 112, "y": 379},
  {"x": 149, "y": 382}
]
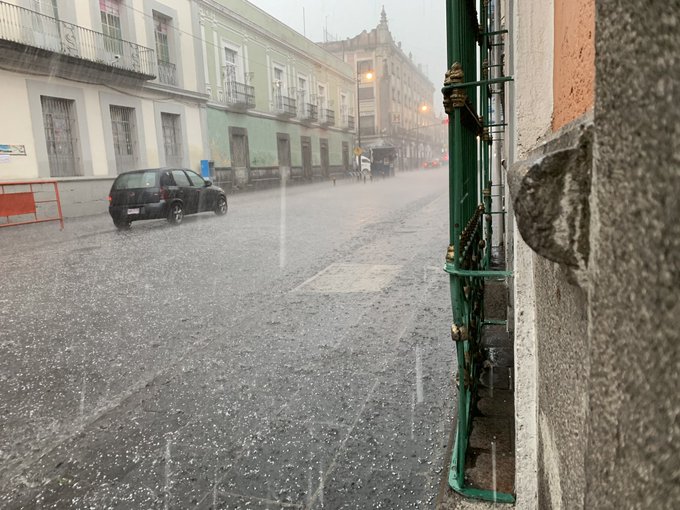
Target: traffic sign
[{"x": 358, "y": 151}]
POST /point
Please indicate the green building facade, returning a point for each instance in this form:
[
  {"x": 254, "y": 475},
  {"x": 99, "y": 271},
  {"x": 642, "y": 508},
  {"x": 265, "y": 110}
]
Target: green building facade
[{"x": 280, "y": 105}]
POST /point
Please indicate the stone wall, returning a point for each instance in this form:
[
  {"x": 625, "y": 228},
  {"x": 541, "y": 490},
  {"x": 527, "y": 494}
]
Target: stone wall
[
  {"x": 599, "y": 207},
  {"x": 561, "y": 334},
  {"x": 85, "y": 197},
  {"x": 634, "y": 429}
]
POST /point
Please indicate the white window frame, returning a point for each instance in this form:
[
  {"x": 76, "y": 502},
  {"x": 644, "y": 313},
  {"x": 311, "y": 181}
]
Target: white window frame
[
  {"x": 110, "y": 10},
  {"x": 177, "y": 141},
  {"x": 165, "y": 22},
  {"x": 283, "y": 86},
  {"x": 344, "y": 108},
  {"x": 302, "y": 77},
  {"x": 238, "y": 65},
  {"x": 302, "y": 105},
  {"x": 322, "y": 100},
  {"x": 279, "y": 87}
]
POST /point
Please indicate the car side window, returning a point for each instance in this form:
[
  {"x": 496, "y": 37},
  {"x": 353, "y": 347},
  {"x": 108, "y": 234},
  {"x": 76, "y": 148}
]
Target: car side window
[
  {"x": 181, "y": 179},
  {"x": 196, "y": 180},
  {"x": 166, "y": 179}
]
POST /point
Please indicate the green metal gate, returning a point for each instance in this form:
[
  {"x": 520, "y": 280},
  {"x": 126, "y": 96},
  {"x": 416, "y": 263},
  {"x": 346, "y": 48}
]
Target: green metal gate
[{"x": 467, "y": 92}]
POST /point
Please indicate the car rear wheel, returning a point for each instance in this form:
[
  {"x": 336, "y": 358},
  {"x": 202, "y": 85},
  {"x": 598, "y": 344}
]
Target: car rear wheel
[
  {"x": 221, "y": 207},
  {"x": 122, "y": 224},
  {"x": 176, "y": 214}
]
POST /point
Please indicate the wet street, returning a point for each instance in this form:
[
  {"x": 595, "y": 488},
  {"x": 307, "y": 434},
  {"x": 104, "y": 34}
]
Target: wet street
[{"x": 293, "y": 354}]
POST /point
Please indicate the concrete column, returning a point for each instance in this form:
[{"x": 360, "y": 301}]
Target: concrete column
[{"x": 530, "y": 102}]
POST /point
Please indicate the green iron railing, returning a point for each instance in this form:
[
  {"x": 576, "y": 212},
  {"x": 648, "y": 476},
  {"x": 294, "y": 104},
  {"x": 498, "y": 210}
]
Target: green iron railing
[{"x": 467, "y": 91}]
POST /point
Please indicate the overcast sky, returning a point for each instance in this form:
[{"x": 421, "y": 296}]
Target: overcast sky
[{"x": 420, "y": 25}]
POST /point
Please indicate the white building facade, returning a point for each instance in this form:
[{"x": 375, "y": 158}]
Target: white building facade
[{"x": 98, "y": 87}]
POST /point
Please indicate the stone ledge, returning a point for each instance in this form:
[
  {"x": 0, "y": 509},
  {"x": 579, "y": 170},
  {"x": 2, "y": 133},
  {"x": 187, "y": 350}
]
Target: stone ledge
[{"x": 551, "y": 193}]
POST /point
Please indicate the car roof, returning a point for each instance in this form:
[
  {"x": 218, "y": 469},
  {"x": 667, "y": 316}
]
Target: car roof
[{"x": 162, "y": 169}]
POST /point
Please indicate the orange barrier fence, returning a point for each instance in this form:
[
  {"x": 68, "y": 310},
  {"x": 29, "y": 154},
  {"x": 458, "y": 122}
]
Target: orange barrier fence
[{"x": 30, "y": 198}]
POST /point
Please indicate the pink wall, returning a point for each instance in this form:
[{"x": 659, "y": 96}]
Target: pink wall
[{"x": 574, "y": 64}]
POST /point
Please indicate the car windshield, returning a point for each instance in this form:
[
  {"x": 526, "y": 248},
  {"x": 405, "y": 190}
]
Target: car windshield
[{"x": 136, "y": 180}]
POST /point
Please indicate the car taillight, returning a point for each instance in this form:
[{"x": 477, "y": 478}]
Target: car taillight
[
  {"x": 110, "y": 199},
  {"x": 164, "y": 194}
]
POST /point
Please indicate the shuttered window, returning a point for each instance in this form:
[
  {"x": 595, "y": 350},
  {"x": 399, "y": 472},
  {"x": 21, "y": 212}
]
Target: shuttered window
[
  {"x": 59, "y": 121},
  {"x": 172, "y": 139},
  {"x": 124, "y": 134}
]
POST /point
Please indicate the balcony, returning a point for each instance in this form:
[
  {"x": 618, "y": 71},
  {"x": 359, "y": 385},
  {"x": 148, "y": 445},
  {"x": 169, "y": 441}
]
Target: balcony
[
  {"x": 238, "y": 95},
  {"x": 21, "y": 28},
  {"x": 167, "y": 73},
  {"x": 285, "y": 106},
  {"x": 327, "y": 117}
]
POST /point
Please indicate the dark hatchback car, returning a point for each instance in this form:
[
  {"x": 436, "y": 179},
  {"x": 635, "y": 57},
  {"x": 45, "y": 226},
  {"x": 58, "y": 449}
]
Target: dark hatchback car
[{"x": 162, "y": 193}]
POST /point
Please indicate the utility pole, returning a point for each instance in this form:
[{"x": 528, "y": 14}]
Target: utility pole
[
  {"x": 358, "y": 108},
  {"x": 422, "y": 108}
]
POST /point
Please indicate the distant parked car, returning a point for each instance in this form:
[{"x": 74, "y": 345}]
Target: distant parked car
[
  {"x": 365, "y": 168},
  {"x": 162, "y": 193},
  {"x": 431, "y": 164}
]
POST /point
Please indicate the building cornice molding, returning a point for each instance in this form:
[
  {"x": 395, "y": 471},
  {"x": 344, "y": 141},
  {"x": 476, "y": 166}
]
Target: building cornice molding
[
  {"x": 354, "y": 45},
  {"x": 244, "y": 22},
  {"x": 198, "y": 97}
]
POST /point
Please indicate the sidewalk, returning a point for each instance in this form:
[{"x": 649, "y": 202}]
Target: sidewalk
[{"x": 39, "y": 234}]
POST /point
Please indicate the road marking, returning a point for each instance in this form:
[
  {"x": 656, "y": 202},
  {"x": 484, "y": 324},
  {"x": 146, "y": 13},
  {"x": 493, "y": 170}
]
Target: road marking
[
  {"x": 329, "y": 424},
  {"x": 282, "y": 226},
  {"x": 238, "y": 456},
  {"x": 321, "y": 484},
  {"x": 402, "y": 332},
  {"x": 347, "y": 278},
  {"x": 413, "y": 414},
  {"x": 82, "y": 398},
  {"x": 419, "y": 375},
  {"x": 308, "y": 280},
  {"x": 341, "y": 448},
  {"x": 166, "y": 502},
  {"x": 261, "y": 500}
]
